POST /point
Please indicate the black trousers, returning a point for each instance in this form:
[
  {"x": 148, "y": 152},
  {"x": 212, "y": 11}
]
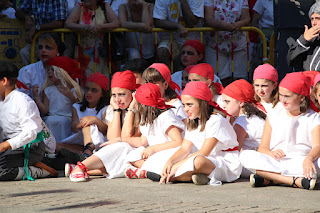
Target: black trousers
[{"x": 10, "y": 160}]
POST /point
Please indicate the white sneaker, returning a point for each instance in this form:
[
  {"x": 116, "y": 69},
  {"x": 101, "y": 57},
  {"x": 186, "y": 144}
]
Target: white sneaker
[
  {"x": 37, "y": 173},
  {"x": 77, "y": 177},
  {"x": 68, "y": 168}
]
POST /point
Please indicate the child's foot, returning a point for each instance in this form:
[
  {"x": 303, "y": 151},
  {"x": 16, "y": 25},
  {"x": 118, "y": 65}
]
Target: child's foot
[
  {"x": 133, "y": 172},
  {"x": 304, "y": 183},
  {"x": 258, "y": 181},
  {"x": 53, "y": 172},
  {"x": 200, "y": 179},
  {"x": 79, "y": 173},
  {"x": 68, "y": 168}
]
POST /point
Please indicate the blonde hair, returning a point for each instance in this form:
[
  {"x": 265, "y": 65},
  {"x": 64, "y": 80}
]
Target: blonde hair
[{"x": 65, "y": 79}]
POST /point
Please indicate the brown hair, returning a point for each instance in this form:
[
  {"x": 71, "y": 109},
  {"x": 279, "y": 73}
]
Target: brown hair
[
  {"x": 147, "y": 114},
  {"x": 251, "y": 110},
  {"x": 314, "y": 97},
  {"x": 305, "y": 105},
  {"x": 152, "y": 75},
  {"x": 206, "y": 111}
]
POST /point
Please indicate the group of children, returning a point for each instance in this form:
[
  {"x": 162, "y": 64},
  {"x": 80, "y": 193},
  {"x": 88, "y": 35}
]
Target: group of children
[{"x": 205, "y": 134}]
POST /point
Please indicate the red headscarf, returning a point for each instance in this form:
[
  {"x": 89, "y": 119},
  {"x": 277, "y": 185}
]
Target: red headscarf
[
  {"x": 99, "y": 79},
  {"x": 266, "y": 71},
  {"x": 200, "y": 90},
  {"x": 196, "y": 44},
  {"x": 149, "y": 94},
  {"x": 312, "y": 75},
  {"x": 166, "y": 74},
  {"x": 68, "y": 64},
  {"x": 125, "y": 80},
  {"x": 206, "y": 70},
  {"x": 316, "y": 80},
  {"x": 243, "y": 91},
  {"x": 298, "y": 83},
  {"x": 188, "y": 68}
]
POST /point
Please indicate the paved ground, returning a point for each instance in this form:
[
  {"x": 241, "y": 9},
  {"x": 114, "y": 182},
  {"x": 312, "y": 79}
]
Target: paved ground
[{"x": 124, "y": 195}]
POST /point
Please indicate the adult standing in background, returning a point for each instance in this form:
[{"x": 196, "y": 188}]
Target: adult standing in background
[
  {"x": 304, "y": 53},
  {"x": 40, "y": 15},
  {"x": 176, "y": 15},
  {"x": 228, "y": 16}
]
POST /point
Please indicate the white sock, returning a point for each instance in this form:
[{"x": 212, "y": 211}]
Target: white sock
[{"x": 20, "y": 173}]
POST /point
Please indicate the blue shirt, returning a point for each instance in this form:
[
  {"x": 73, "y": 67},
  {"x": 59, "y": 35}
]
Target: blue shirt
[{"x": 45, "y": 11}]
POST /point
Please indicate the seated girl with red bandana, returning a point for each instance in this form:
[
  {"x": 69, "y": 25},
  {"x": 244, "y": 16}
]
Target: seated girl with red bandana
[
  {"x": 160, "y": 130},
  {"x": 208, "y": 154},
  {"x": 238, "y": 101},
  {"x": 59, "y": 93},
  {"x": 290, "y": 146}
]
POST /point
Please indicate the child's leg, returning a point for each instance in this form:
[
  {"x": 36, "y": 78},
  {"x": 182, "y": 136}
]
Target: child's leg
[
  {"x": 138, "y": 163},
  {"x": 12, "y": 161},
  {"x": 201, "y": 165},
  {"x": 93, "y": 164},
  {"x": 87, "y": 141},
  {"x": 279, "y": 179}
]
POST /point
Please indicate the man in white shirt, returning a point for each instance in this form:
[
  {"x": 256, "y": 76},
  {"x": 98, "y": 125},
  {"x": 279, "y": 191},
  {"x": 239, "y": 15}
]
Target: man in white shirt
[{"x": 176, "y": 15}]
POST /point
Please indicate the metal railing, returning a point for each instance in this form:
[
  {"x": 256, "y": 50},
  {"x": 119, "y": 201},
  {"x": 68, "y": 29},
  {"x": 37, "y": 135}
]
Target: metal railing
[{"x": 201, "y": 30}]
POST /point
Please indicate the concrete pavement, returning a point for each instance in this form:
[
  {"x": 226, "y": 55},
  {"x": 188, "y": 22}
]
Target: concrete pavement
[{"x": 125, "y": 195}]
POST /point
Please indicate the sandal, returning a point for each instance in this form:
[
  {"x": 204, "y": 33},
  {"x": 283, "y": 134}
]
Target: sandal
[
  {"x": 294, "y": 185},
  {"x": 87, "y": 147},
  {"x": 308, "y": 184},
  {"x": 258, "y": 181}
]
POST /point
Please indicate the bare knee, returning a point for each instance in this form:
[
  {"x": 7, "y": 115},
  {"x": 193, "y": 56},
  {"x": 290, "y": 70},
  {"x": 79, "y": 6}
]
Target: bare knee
[{"x": 203, "y": 165}]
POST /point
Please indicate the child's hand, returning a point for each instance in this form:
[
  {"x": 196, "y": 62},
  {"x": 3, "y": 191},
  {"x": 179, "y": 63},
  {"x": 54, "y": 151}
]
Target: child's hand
[
  {"x": 113, "y": 104},
  {"x": 4, "y": 146},
  {"x": 87, "y": 121},
  {"x": 133, "y": 104},
  {"x": 277, "y": 154},
  {"x": 165, "y": 172},
  {"x": 166, "y": 178},
  {"x": 308, "y": 168},
  {"x": 35, "y": 91},
  {"x": 147, "y": 152}
]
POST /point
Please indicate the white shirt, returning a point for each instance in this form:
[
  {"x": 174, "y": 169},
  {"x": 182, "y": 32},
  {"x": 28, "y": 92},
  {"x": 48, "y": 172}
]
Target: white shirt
[
  {"x": 178, "y": 109},
  {"x": 20, "y": 119},
  {"x": 171, "y": 10},
  {"x": 216, "y": 127},
  {"x": 156, "y": 133},
  {"x": 31, "y": 75},
  {"x": 292, "y": 134},
  {"x": 254, "y": 128},
  {"x": 265, "y": 9},
  {"x": 89, "y": 111}
]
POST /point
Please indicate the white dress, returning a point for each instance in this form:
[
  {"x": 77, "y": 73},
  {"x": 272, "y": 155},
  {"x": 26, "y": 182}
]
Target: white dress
[
  {"x": 113, "y": 156},
  {"x": 290, "y": 134},
  {"x": 60, "y": 113},
  {"x": 116, "y": 157},
  {"x": 77, "y": 138},
  {"x": 178, "y": 109},
  {"x": 269, "y": 106},
  {"x": 156, "y": 133},
  {"x": 254, "y": 128},
  {"x": 228, "y": 167}
]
